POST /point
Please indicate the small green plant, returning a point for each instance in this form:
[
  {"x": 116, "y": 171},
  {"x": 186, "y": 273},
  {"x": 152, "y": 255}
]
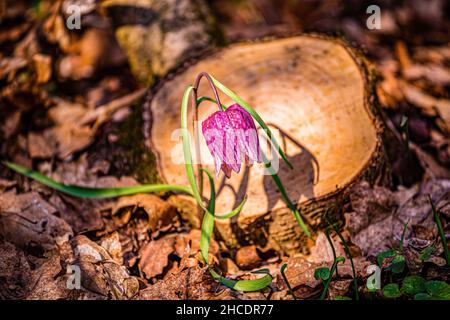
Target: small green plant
[
  {"x": 349, "y": 255},
  {"x": 397, "y": 260},
  {"x": 325, "y": 273},
  {"x": 418, "y": 288}
]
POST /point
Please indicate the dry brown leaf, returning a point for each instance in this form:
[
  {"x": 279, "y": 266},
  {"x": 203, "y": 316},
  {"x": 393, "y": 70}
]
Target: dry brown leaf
[
  {"x": 15, "y": 271},
  {"x": 191, "y": 283},
  {"x": 43, "y": 67},
  {"x": 40, "y": 145},
  {"x": 99, "y": 273},
  {"x": 28, "y": 220},
  {"x": 429, "y": 104},
  {"x": 6, "y": 184},
  {"x": 322, "y": 251},
  {"x": 247, "y": 257},
  {"x": 160, "y": 213},
  {"x": 71, "y": 138},
  {"x": 436, "y": 74},
  {"x": 380, "y": 215}
]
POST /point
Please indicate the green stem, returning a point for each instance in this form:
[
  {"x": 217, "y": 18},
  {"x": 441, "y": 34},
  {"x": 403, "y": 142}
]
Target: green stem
[
  {"x": 327, "y": 284},
  {"x": 441, "y": 231},
  {"x": 347, "y": 250}
]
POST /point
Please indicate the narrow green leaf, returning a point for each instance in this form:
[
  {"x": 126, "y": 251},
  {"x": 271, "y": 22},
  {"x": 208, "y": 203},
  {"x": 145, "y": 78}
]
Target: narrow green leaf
[
  {"x": 328, "y": 281},
  {"x": 243, "y": 285},
  {"x": 205, "y": 238},
  {"x": 86, "y": 192},
  {"x": 208, "y": 220},
  {"x": 441, "y": 231},
  {"x": 255, "y": 116},
  {"x": 405, "y": 227}
]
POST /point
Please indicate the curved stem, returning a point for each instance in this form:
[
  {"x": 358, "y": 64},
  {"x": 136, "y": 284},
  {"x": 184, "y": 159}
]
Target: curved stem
[{"x": 211, "y": 84}]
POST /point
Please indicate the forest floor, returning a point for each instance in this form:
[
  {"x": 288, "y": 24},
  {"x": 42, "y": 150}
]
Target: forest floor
[{"x": 71, "y": 108}]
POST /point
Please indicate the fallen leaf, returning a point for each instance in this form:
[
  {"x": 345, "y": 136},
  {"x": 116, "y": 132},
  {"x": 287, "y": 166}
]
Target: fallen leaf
[
  {"x": 189, "y": 284},
  {"x": 379, "y": 215},
  {"x": 28, "y": 220},
  {"x": 155, "y": 256},
  {"x": 100, "y": 274},
  {"x": 247, "y": 257},
  {"x": 159, "y": 212},
  {"x": 43, "y": 67}
]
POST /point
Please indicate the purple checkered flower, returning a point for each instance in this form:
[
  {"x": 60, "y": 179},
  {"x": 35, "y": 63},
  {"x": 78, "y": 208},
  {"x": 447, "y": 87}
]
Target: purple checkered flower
[{"x": 232, "y": 139}]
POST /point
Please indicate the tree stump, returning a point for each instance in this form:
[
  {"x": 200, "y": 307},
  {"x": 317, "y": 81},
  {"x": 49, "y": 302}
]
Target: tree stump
[{"x": 317, "y": 94}]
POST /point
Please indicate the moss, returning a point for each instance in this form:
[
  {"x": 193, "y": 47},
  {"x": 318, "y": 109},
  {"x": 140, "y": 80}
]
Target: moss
[{"x": 140, "y": 161}]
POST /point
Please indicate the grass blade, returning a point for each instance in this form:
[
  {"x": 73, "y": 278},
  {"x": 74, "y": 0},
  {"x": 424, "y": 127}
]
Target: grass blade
[
  {"x": 208, "y": 220},
  {"x": 86, "y": 192},
  {"x": 441, "y": 231}
]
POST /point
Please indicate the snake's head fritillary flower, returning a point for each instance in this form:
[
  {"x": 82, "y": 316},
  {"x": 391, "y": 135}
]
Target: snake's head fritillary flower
[{"x": 232, "y": 139}]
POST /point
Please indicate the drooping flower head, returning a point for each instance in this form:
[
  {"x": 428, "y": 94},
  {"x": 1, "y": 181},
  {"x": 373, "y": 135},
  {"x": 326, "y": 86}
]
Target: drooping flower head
[{"x": 232, "y": 139}]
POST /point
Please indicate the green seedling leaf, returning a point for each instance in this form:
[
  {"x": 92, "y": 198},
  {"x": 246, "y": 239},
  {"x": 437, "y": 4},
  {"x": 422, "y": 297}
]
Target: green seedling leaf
[
  {"x": 385, "y": 255},
  {"x": 322, "y": 273},
  {"x": 397, "y": 265},
  {"x": 391, "y": 290},
  {"x": 426, "y": 253},
  {"x": 349, "y": 254},
  {"x": 413, "y": 285},
  {"x": 330, "y": 273},
  {"x": 85, "y": 192},
  {"x": 438, "y": 290}
]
